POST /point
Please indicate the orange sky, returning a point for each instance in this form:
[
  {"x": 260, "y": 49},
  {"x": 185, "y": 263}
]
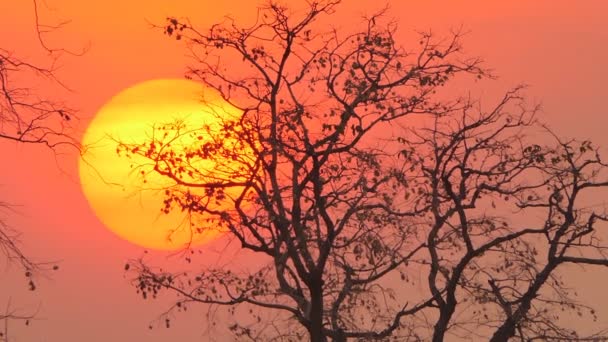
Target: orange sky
[{"x": 560, "y": 48}]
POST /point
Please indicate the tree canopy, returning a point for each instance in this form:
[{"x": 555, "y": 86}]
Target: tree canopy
[
  {"x": 29, "y": 115},
  {"x": 383, "y": 207}
]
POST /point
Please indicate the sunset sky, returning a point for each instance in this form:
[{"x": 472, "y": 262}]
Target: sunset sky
[{"x": 559, "y": 48}]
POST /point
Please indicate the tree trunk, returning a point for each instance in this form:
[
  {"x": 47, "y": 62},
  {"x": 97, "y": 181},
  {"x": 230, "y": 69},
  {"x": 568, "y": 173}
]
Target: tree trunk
[
  {"x": 316, "y": 312},
  {"x": 441, "y": 326},
  {"x": 503, "y": 333},
  {"x": 507, "y": 329}
]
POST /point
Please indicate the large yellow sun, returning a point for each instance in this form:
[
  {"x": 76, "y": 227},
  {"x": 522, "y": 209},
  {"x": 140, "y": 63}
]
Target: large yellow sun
[{"x": 112, "y": 183}]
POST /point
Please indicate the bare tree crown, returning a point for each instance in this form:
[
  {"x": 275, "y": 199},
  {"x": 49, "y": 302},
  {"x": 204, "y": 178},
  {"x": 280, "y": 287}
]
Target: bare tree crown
[
  {"x": 27, "y": 116},
  {"x": 347, "y": 216}
]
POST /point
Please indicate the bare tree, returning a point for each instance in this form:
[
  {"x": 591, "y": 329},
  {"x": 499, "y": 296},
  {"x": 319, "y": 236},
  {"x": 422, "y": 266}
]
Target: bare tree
[
  {"x": 489, "y": 263},
  {"x": 29, "y": 117},
  {"x": 26, "y": 116},
  {"x": 353, "y": 175}
]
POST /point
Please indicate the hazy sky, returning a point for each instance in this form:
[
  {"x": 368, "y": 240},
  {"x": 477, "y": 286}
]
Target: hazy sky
[{"x": 559, "y": 48}]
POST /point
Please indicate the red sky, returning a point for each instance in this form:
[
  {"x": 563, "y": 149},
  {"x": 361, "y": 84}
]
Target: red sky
[{"x": 559, "y": 48}]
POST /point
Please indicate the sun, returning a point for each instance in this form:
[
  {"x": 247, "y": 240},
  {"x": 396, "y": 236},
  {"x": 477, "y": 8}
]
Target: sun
[{"x": 112, "y": 183}]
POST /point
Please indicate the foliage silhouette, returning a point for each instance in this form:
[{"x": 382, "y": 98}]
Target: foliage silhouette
[
  {"x": 29, "y": 117},
  {"x": 383, "y": 208}
]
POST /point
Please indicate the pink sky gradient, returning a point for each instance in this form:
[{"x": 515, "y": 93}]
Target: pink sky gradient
[{"x": 559, "y": 48}]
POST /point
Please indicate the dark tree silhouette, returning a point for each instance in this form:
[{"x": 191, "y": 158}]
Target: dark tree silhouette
[
  {"x": 383, "y": 208},
  {"x": 28, "y": 117}
]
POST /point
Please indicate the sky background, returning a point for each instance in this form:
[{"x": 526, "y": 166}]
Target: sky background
[{"x": 559, "y": 48}]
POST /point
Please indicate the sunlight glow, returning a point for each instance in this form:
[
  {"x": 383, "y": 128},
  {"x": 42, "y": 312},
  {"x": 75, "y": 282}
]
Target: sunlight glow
[{"x": 112, "y": 183}]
